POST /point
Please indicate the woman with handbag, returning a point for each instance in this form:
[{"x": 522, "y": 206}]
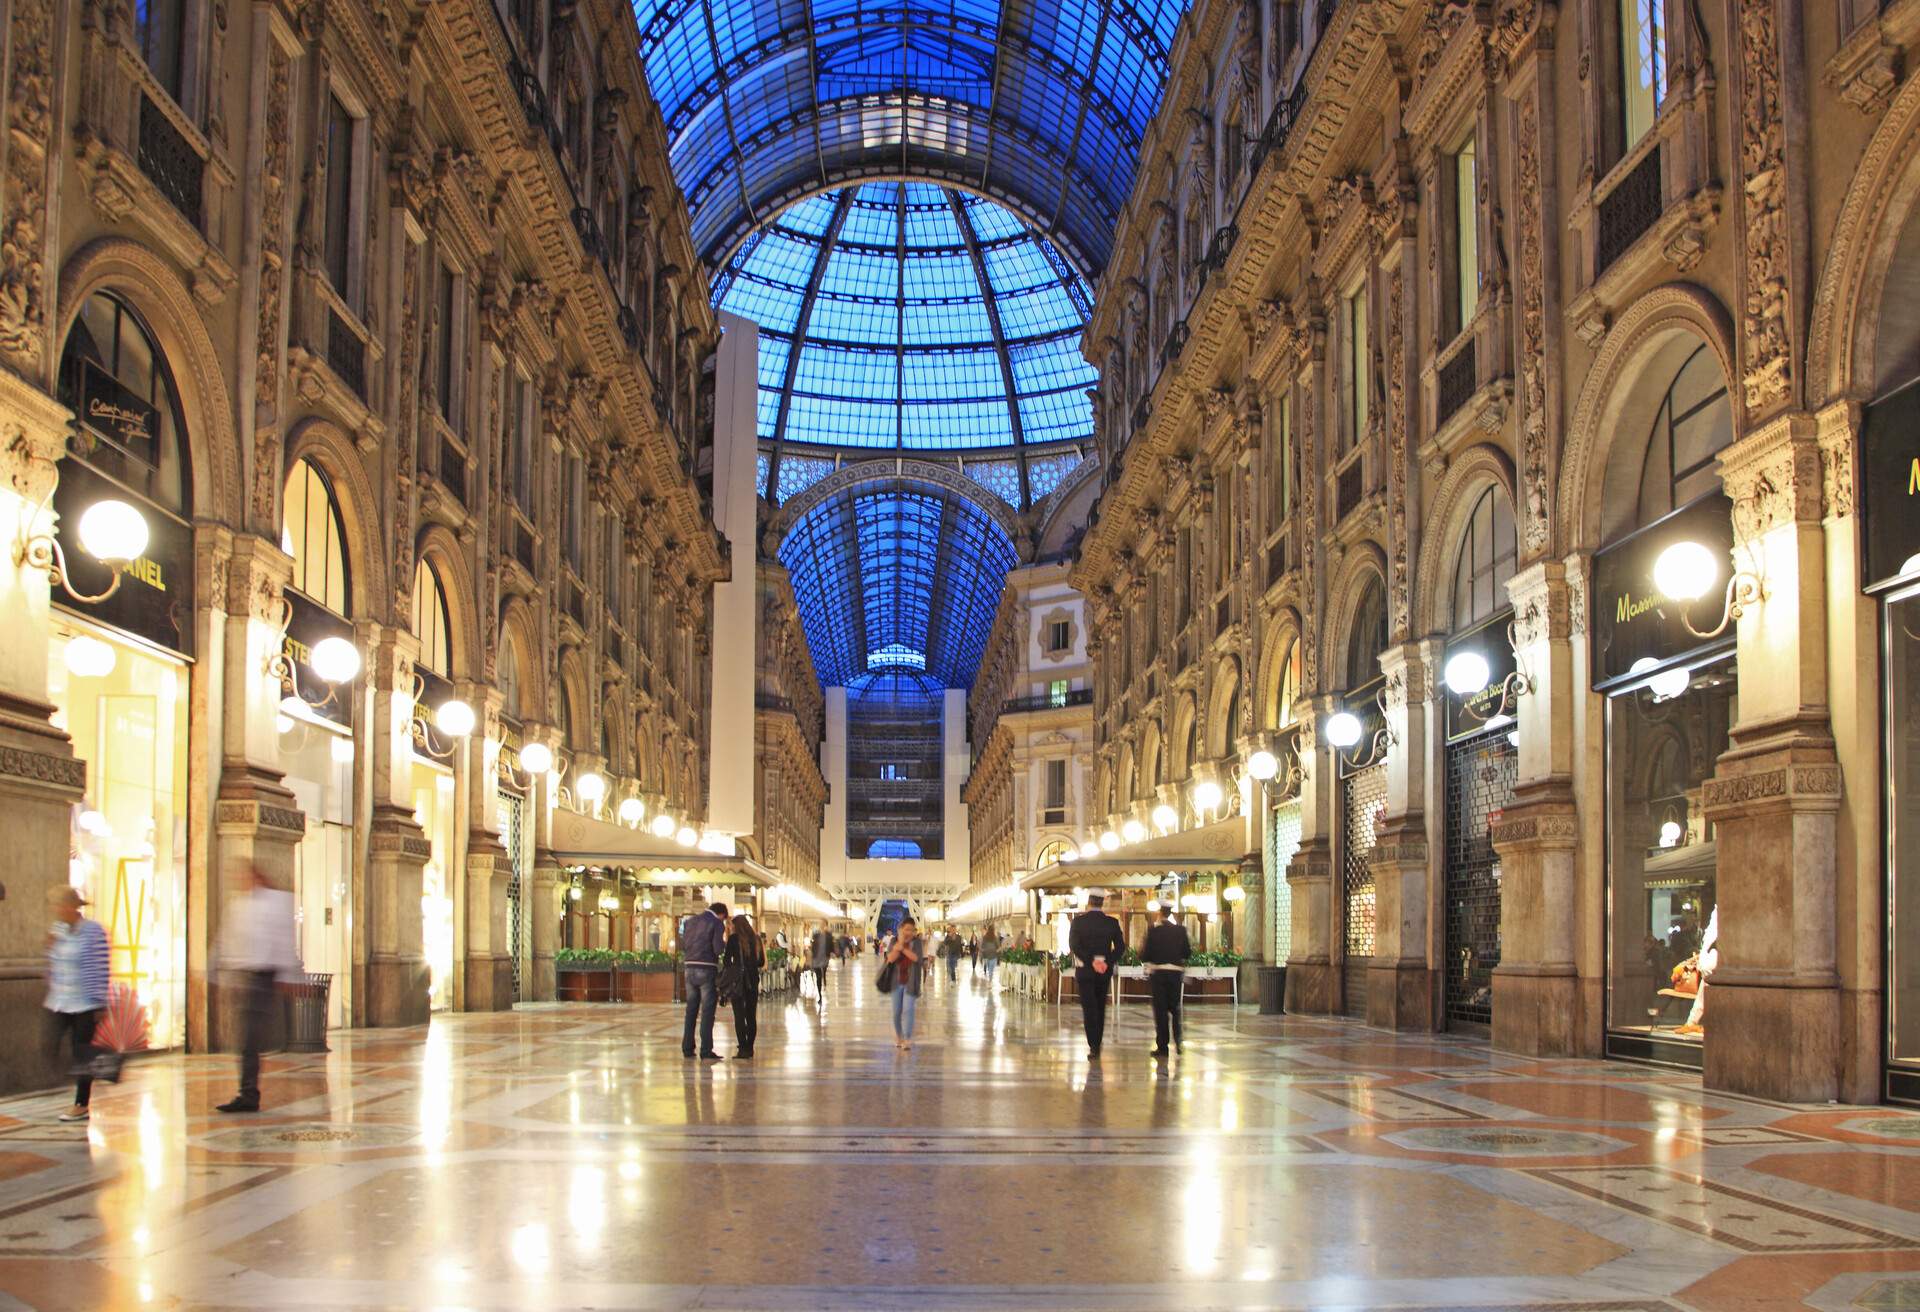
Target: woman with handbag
[
  {"x": 741, "y": 969},
  {"x": 903, "y": 961}
]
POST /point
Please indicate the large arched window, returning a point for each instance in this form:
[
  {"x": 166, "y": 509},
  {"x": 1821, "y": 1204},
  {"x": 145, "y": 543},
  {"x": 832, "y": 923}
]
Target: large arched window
[
  {"x": 1694, "y": 423},
  {"x": 509, "y": 675},
  {"x": 1050, "y": 854},
  {"x": 566, "y": 714},
  {"x": 1368, "y": 636},
  {"x": 1287, "y": 689},
  {"x": 311, "y": 532},
  {"x": 430, "y": 620},
  {"x": 114, "y": 377},
  {"x": 1487, "y": 553}
]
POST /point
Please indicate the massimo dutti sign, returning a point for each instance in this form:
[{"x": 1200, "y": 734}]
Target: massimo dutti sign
[
  {"x": 155, "y": 598},
  {"x": 1889, "y": 486},
  {"x": 1631, "y": 621}
]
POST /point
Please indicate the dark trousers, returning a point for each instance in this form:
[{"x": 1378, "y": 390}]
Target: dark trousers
[
  {"x": 256, "y": 1025},
  {"x": 1092, "y": 988},
  {"x": 702, "y": 997},
  {"x": 1165, "y": 985},
  {"x": 746, "y": 1023},
  {"x": 76, "y": 1028},
  {"x": 953, "y": 969}
]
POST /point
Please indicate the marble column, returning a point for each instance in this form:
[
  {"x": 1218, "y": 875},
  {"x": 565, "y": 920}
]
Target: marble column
[
  {"x": 397, "y": 981},
  {"x": 1773, "y": 1016},
  {"x": 1313, "y": 984},
  {"x": 1403, "y": 986},
  {"x": 486, "y": 949},
  {"x": 1537, "y": 998},
  {"x": 40, "y": 777},
  {"x": 547, "y": 888}
]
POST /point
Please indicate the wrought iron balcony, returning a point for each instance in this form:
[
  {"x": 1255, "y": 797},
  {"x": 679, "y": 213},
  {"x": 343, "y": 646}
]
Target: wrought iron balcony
[{"x": 171, "y": 163}]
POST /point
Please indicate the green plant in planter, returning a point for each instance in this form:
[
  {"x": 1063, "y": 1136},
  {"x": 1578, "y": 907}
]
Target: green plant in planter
[
  {"x": 576, "y": 958},
  {"x": 1220, "y": 957},
  {"x": 645, "y": 959},
  {"x": 777, "y": 957},
  {"x": 1021, "y": 957},
  {"x": 1065, "y": 962},
  {"x": 1130, "y": 957}
]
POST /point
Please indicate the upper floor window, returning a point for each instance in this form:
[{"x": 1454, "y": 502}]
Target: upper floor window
[
  {"x": 447, "y": 360},
  {"x": 160, "y": 27},
  {"x": 1288, "y": 692},
  {"x": 342, "y": 253},
  {"x": 1057, "y": 692},
  {"x": 1693, "y": 424},
  {"x": 1055, "y": 802},
  {"x": 114, "y": 377},
  {"x": 1355, "y": 366},
  {"x": 430, "y": 620},
  {"x": 1280, "y": 476},
  {"x": 1059, "y": 635},
  {"x": 310, "y": 532},
  {"x": 509, "y": 675},
  {"x": 520, "y": 445},
  {"x": 1486, "y": 561},
  {"x": 572, "y": 505},
  {"x": 1464, "y": 246},
  {"x": 1643, "y": 67},
  {"x": 615, "y": 564}
]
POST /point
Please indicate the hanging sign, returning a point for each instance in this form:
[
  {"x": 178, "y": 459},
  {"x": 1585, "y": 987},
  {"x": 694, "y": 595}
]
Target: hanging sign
[
  {"x": 1890, "y": 487},
  {"x": 430, "y": 742},
  {"x": 155, "y": 597},
  {"x": 108, "y": 410},
  {"x": 309, "y": 623},
  {"x": 1630, "y": 622},
  {"x": 1469, "y": 715}
]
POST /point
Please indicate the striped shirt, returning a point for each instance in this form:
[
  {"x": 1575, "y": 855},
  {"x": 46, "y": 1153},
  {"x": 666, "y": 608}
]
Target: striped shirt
[{"x": 77, "y": 962}]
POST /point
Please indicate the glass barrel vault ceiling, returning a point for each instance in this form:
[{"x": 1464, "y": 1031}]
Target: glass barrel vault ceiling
[
  {"x": 913, "y": 318},
  {"x": 1042, "y": 103}
]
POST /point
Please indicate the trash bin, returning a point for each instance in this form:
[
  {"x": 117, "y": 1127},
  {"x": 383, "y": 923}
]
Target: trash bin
[
  {"x": 1273, "y": 990},
  {"x": 307, "y": 1013}
]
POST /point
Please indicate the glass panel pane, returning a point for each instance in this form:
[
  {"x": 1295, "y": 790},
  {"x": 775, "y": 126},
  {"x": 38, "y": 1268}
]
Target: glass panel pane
[{"x": 1903, "y": 827}]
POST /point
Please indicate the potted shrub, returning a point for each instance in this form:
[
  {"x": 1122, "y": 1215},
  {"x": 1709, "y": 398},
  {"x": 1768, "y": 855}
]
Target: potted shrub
[
  {"x": 643, "y": 976},
  {"x": 1134, "y": 976},
  {"x": 584, "y": 974},
  {"x": 1211, "y": 974}
]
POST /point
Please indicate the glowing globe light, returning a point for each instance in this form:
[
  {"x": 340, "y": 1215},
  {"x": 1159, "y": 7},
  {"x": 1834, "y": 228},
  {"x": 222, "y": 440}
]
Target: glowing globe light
[
  {"x": 90, "y": 658},
  {"x": 1133, "y": 831},
  {"x": 1669, "y": 684},
  {"x": 1343, "y": 729},
  {"x": 454, "y": 717},
  {"x": 335, "y": 660},
  {"x": 632, "y": 810},
  {"x": 1165, "y": 818},
  {"x": 1206, "y": 795},
  {"x": 1235, "y": 894},
  {"x": 113, "y": 532},
  {"x": 1110, "y": 841},
  {"x": 592, "y": 786},
  {"x": 1685, "y": 571},
  {"x": 536, "y": 758},
  {"x": 1467, "y": 673},
  {"x": 687, "y": 836},
  {"x": 663, "y": 825},
  {"x": 1263, "y": 765},
  {"x": 1089, "y": 849}
]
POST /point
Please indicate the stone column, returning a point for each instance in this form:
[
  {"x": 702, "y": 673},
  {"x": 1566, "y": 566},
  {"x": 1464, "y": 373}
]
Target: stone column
[
  {"x": 487, "y": 960},
  {"x": 40, "y": 777},
  {"x": 547, "y": 886},
  {"x": 1313, "y": 987},
  {"x": 1403, "y": 984},
  {"x": 396, "y": 990},
  {"x": 1536, "y": 995},
  {"x": 1773, "y": 1011},
  {"x": 257, "y": 823}
]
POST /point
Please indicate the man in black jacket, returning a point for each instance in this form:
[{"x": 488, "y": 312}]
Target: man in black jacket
[
  {"x": 1096, "y": 943},
  {"x": 1165, "y": 955},
  {"x": 702, "y": 944}
]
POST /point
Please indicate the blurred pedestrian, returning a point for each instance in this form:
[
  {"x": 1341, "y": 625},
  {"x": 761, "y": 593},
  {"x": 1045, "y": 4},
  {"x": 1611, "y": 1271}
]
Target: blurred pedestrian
[
  {"x": 78, "y": 958},
  {"x": 1165, "y": 956},
  {"x": 950, "y": 949},
  {"x": 819, "y": 953},
  {"x": 906, "y": 955},
  {"x": 256, "y": 953},
  {"x": 745, "y": 956},
  {"x": 1096, "y": 943},
  {"x": 989, "y": 953}
]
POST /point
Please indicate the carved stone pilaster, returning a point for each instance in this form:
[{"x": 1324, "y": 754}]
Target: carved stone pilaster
[
  {"x": 1766, "y": 347},
  {"x": 24, "y": 227}
]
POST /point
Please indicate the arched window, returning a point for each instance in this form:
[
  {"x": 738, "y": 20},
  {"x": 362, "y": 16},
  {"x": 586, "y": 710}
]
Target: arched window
[
  {"x": 1288, "y": 691},
  {"x": 430, "y": 620},
  {"x": 1368, "y": 637},
  {"x": 116, "y": 380},
  {"x": 1694, "y": 423},
  {"x": 566, "y": 714},
  {"x": 311, "y": 532},
  {"x": 509, "y": 675},
  {"x": 1487, "y": 554},
  {"x": 1050, "y": 854}
]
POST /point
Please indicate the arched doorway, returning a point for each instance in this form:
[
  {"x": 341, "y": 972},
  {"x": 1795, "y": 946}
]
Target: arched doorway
[{"x": 1362, "y": 790}]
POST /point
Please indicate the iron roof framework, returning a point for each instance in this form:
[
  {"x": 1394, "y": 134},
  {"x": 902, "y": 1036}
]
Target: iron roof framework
[
  {"x": 896, "y": 574},
  {"x": 1041, "y": 104},
  {"x": 916, "y": 318}
]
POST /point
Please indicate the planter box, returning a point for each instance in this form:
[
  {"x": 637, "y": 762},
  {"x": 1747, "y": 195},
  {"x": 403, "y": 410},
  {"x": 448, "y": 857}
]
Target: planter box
[
  {"x": 643, "y": 984},
  {"x": 584, "y": 983}
]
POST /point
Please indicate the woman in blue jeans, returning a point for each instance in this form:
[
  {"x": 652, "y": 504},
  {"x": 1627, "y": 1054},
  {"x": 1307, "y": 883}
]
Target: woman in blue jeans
[{"x": 905, "y": 954}]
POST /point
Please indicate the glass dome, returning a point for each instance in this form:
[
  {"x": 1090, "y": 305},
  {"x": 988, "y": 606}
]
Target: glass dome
[{"x": 911, "y": 317}]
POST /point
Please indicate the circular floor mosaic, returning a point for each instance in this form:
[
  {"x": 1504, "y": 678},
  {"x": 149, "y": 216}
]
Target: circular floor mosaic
[
  {"x": 310, "y": 1134},
  {"x": 1505, "y": 1141},
  {"x": 1887, "y": 1127}
]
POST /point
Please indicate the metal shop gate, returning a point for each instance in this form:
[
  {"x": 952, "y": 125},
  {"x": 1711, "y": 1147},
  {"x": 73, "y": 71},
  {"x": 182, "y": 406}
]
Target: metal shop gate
[
  {"x": 1363, "y": 796},
  {"x": 512, "y": 808},
  {"x": 1480, "y": 775}
]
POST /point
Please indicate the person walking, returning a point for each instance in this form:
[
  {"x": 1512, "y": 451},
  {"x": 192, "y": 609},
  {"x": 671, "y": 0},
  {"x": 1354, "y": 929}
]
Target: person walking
[
  {"x": 989, "y": 953},
  {"x": 257, "y": 954},
  {"x": 744, "y": 957},
  {"x": 1165, "y": 956},
  {"x": 950, "y": 949},
  {"x": 78, "y": 959},
  {"x": 905, "y": 955},
  {"x": 819, "y": 953},
  {"x": 1096, "y": 944},
  {"x": 701, "y": 945}
]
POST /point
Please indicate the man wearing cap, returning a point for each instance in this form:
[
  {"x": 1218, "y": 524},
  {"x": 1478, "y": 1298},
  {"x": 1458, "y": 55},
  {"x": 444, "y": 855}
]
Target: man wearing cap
[
  {"x": 1096, "y": 943},
  {"x": 1165, "y": 956},
  {"x": 77, "y": 967}
]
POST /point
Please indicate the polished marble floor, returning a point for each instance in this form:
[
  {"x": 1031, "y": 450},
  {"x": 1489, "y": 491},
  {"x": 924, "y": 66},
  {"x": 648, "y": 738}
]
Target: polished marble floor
[{"x": 567, "y": 1156}]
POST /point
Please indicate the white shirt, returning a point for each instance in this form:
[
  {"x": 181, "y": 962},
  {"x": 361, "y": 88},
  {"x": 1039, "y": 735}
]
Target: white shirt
[{"x": 258, "y": 934}]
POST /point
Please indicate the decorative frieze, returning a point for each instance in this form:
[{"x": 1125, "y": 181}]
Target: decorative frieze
[
  {"x": 1766, "y": 342},
  {"x": 24, "y": 228}
]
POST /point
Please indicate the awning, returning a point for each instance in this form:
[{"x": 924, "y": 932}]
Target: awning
[
  {"x": 1214, "y": 849},
  {"x": 581, "y": 840}
]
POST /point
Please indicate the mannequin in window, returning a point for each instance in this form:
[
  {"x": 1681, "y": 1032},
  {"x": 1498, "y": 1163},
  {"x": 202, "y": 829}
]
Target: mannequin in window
[{"x": 1709, "y": 961}]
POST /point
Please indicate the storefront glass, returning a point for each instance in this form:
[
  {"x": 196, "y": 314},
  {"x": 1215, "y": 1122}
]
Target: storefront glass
[
  {"x": 433, "y": 811},
  {"x": 125, "y": 707},
  {"x": 1903, "y": 830},
  {"x": 1663, "y": 739},
  {"x": 318, "y": 759}
]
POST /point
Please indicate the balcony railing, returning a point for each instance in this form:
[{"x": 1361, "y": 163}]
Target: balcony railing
[
  {"x": 453, "y": 470},
  {"x": 523, "y": 548},
  {"x": 1276, "y": 561},
  {"x": 170, "y": 162},
  {"x": 1048, "y": 701},
  {"x": 1455, "y": 383},
  {"x": 346, "y": 354},
  {"x": 1632, "y": 207},
  {"x": 1350, "y": 489}
]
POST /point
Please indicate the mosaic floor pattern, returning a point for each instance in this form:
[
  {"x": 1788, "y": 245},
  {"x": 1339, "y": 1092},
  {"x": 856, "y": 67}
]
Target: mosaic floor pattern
[{"x": 567, "y": 1156}]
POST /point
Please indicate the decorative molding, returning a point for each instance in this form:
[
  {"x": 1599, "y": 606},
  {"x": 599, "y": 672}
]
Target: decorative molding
[
  {"x": 43, "y": 768},
  {"x": 24, "y": 344},
  {"x": 1767, "y": 365}
]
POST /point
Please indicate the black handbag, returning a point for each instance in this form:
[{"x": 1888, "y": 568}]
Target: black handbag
[
  {"x": 727, "y": 983},
  {"x": 884, "y": 981}
]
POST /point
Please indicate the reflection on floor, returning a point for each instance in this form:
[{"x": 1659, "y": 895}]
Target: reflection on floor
[{"x": 567, "y": 1156}]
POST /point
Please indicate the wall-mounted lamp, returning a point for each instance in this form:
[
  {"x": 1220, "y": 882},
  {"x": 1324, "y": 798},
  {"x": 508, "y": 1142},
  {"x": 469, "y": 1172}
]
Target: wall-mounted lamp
[
  {"x": 536, "y": 758},
  {"x": 1343, "y": 730},
  {"x": 1687, "y": 571},
  {"x": 334, "y": 660},
  {"x": 112, "y": 532},
  {"x": 1132, "y": 831},
  {"x": 632, "y": 811},
  {"x": 663, "y": 825},
  {"x": 591, "y": 787},
  {"x": 1165, "y": 818},
  {"x": 1090, "y": 849},
  {"x": 1207, "y": 795},
  {"x": 1467, "y": 675}
]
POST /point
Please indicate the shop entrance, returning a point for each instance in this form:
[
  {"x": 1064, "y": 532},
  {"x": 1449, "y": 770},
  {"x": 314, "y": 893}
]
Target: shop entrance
[
  {"x": 1480, "y": 777},
  {"x": 1363, "y": 800},
  {"x": 1283, "y": 840},
  {"x": 512, "y": 809}
]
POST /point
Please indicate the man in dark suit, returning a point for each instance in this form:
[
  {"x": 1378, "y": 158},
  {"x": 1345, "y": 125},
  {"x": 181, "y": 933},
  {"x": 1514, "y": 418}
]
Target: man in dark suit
[
  {"x": 1165, "y": 955},
  {"x": 1096, "y": 944}
]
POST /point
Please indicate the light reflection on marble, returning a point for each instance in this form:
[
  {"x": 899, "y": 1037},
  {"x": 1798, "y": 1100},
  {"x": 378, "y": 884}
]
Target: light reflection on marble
[{"x": 567, "y": 1156}]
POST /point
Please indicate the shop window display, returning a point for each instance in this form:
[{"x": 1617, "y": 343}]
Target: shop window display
[
  {"x": 125, "y": 707},
  {"x": 433, "y": 811}
]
